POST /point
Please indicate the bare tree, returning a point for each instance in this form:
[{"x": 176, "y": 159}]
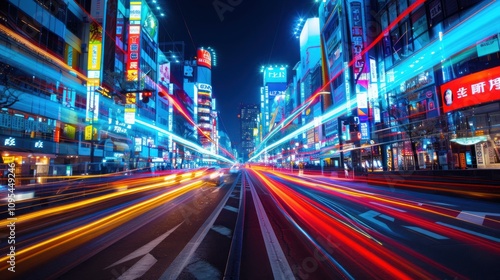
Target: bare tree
[
  {"x": 183, "y": 129},
  {"x": 414, "y": 130},
  {"x": 8, "y": 97},
  {"x": 9, "y": 94}
]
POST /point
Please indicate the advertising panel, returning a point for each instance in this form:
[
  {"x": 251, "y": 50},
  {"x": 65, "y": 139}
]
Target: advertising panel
[
  {"x": 275, "y": 75},
  {"x": 360, "y": 67},
  {"x": 277, "y": 96},
  {"x": 97, "y": 10},
  {"x": 356, "y": 19},
  {"x": 480, "y": 87},
  {"x": 165, "y": 74},
  {"x": 206, "y": 88},
  {"x": 276, "y": 89},
  {"x": 69, "y": 98},
  {"x": 95, "y": 54},
  {"x": 133, "y": 54},
  {"x": 129, "y": 116},
  {"x": 135, "y": 11},
  {"x": 134, "y": 40},
  {"x": 120, "y": 23},
  {"x": 204, "y": 58},
  {"x": 92, "y": 109},
  {"x": 149, "y": 23}
]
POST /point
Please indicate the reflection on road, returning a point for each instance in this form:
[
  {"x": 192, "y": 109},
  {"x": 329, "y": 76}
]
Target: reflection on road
[{"x": 370, "y": 234}]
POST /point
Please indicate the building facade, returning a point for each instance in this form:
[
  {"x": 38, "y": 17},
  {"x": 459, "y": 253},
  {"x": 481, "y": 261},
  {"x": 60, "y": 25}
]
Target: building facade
[
  {"x": 83, "y": 88},
  {"x": 249, "y": 128},
  {"x": 418, "y": 81}
]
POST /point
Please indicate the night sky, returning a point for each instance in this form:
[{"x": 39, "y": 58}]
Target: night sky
[{"x": 250, "y": 34}]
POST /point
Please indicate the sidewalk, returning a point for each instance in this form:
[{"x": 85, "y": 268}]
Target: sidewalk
[{"x": 479, "y": 183}]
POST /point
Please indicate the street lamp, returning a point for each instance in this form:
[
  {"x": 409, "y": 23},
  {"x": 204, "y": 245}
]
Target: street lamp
[{"x": 371, "y": 148}]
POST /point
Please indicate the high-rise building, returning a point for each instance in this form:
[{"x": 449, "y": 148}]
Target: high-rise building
[
  {"x": 249, "y": 127},
  {"x": 75, "y": 106},
  {"x": 310, "y": 81},
  {"x": 414, "y": 84}
]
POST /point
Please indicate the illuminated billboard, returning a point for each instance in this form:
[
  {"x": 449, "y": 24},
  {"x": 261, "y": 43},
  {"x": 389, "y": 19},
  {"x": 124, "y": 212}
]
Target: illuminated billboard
[
  {"x": 149, "y": 23},
  {"x": 95, "y": 54},
  {"x": 275, "y": 75},
  {"x": 275, "y": 89},
  {"x": 204, "y": 88},
  {"x": 204, "y": 58},
  {"x": 480, "y": 87},
  {"x": 135, "y": 11},
  {"x": 277, "y": 95},
  {"x": 134, "y": 40},
  {"x": 165, "y": 74}
]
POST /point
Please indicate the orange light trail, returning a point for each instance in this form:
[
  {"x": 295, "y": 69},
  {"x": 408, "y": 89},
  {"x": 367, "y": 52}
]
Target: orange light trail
[{"x": 70, "y": 239}]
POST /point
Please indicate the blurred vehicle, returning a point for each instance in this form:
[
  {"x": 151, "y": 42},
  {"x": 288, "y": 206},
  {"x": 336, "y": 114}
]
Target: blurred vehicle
[
  {"x": 4, "y": 193},
  {"x": 234, "y": 169},
  {"x": 113, "y": 164},
  {"x": 214, "y": 175}
]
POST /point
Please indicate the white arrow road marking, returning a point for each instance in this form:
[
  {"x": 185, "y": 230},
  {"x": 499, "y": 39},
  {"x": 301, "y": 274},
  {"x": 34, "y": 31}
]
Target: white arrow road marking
[
  {"x": 222, "y": 230},
  {"x": 370, "y": 216},
  {"x": 231, "y": 208},
  {"x": 139, "y": 268},
  {"x": 426, "y": 232},
  {"x": 475, "y": 217},
  {"x": 471, "y": 232},
  {"x": 146, "y": 248}
]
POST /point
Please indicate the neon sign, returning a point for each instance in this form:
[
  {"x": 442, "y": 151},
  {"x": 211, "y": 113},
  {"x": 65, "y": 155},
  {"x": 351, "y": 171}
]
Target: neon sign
[{"x": 474, "y": 89}]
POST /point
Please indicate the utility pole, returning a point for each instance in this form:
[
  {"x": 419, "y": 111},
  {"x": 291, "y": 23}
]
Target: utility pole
[{"x": 91, "y": 138}]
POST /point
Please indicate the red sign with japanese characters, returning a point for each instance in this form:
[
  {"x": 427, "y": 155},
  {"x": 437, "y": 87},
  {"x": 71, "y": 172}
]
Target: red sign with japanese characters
[
  {"x": 204, "y": 58},
  {"x": 480, "y": 87}
]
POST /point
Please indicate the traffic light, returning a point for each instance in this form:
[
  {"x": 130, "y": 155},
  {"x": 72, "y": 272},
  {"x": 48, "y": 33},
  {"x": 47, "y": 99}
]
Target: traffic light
[
  {"x": 146, "y": 95},
  {"x": 354, "y": 128}
]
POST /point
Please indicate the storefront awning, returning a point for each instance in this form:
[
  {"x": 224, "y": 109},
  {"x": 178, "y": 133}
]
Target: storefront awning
[
  {"x": 469, "y": 140},
  {"x": 121, "y": 146},
  {"x": 14, "y": 151},
  {"x": 329, "y": 152}
]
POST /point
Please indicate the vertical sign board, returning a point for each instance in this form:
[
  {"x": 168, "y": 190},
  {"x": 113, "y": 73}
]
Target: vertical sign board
[
  {"x": 134, "y": 41},
  {"x": 165, "y": 75},
  {"x": 130, "y": 101},
  {"x": 94, "y": 63},
  {"x": 360, "y": 66}
]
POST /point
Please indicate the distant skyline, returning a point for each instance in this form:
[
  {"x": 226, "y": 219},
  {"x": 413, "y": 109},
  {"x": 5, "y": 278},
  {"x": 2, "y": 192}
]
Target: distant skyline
[{"x": 245, "y": 36}]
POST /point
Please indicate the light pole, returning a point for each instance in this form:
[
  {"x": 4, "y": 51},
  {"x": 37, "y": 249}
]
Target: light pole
[
  {"x": 91, "y": 109},
  {"x": 371, "y": 149}
]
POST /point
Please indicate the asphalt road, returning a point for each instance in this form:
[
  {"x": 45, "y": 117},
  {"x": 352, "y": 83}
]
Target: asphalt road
[{"x": 303, "y": 227}]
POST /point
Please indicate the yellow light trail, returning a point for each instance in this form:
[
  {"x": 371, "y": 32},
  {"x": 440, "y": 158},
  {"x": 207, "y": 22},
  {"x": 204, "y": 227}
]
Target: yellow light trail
[
  {"x": 70, "y": 239},
  {"x": 80, "y": 204}
]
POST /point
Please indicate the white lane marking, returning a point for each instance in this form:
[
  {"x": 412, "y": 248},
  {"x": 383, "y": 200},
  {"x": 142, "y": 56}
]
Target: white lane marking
[
  {"x": 146, "y": 248},
  {"x": 222, "y": 230},
  {"x": 201, "y": 269},
  {"x": 441, "y": 203},
  {"x": 139, "y": 268},
  {"x": 470, "y": 232},
  {"x": 231, "y": 208},
  {"x": 426, "y": 232},
  {"x": 279, "y": 264},
  {"x": 370, "y": 216},
  {"x": 387, "y": 206},
  {"x": 475, "y": 217}
]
